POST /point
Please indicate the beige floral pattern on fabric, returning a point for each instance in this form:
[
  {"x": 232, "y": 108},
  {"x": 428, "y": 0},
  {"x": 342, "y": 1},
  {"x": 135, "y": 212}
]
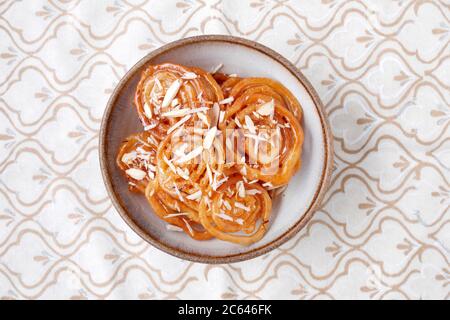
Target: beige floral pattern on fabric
[{"x": 382, "y": 71}]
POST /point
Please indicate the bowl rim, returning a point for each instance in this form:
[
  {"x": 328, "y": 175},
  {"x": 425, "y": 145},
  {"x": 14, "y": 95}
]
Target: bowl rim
[{"x": 201, "y": 258}]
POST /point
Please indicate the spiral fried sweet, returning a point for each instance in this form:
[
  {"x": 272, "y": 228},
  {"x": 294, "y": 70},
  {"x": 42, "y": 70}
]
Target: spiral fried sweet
[{"x": 216, "y": 149}]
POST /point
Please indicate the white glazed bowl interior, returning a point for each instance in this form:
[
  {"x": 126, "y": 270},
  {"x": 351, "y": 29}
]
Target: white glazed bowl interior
[{"x": 288, "y": 209}]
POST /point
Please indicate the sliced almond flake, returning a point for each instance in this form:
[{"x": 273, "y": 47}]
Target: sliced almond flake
[
  {"x": 136, "y": 174},
  {"x": 191, "y": 155},
  {"x": 191, "y": 231},
  {"x": 141, "y": 149},
  {"x": 267, "y": 185},
  {"x": 239, "y": 221},
  {"x": 151, "y": 175},
  {"x": 241, "y": 189},
  {"x": 241, "y": 206},
  {"x": 209, "y": 173},
  {"x": 214, "y": 114},
  {"x": 183, "y": 112},
  {"x": 171, "y": 93},
  {"x": 182, "y": 174},
  {"x": 253, "y": 181},
  {"x": 170, "y": 164},
  {"x": 147, "y": 111},
  {"x": 200, "y": 96},
  {"x": 171, "y": 227},
  {"x": 172, "y": 215},
  {"x": 250, "y": 125},
  {"x": 220, "y": 182},
  {"x": 221, "y": 116},
  {"x": 189, "y": 76},
  {"x": 256, "y": 148},
  {"x": 203, "y": 118},
  {"x": 227, "y": 205},
  {"x": 216, "y": 68},
  {"x": 207, "y": 201},
  {"x": 129, "y": 157},
  {"x": 253, "y": 192},
  {"x": 209, "y": 138},
  {"x": 233, "y": 75},
  {"x": 228, "y": 142},
  {"x": 256, "y": 115},
  {"x": 224, "y": 216},
  {"x": 150, "y": 126},
  {"x": 214, "y": 183},
  {"x": 177, "y": 191},
  {"x": 267, "y": 108},
  {"x": 158, "y": 83},
  {"x": 278, "y": 132},
  {"x": 238, "y": 123},
  {"x": 226, "y": 100},
  {"x": 179, "y": 123},
  {"x": 195, "y": 196},
  {"x": 255, "y": 137},
  {"x": 152, "y": 140},
  {"x": 151, "y": 167},
  {"x": 244, "y": 178}
]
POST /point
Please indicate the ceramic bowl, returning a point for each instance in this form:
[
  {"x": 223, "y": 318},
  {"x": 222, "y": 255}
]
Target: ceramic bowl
[{"x": 291, "y": 210}]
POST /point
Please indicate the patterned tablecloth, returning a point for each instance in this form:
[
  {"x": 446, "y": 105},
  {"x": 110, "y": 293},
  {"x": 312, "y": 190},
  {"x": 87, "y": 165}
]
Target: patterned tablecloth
[{"x": 382, "y": 69}]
